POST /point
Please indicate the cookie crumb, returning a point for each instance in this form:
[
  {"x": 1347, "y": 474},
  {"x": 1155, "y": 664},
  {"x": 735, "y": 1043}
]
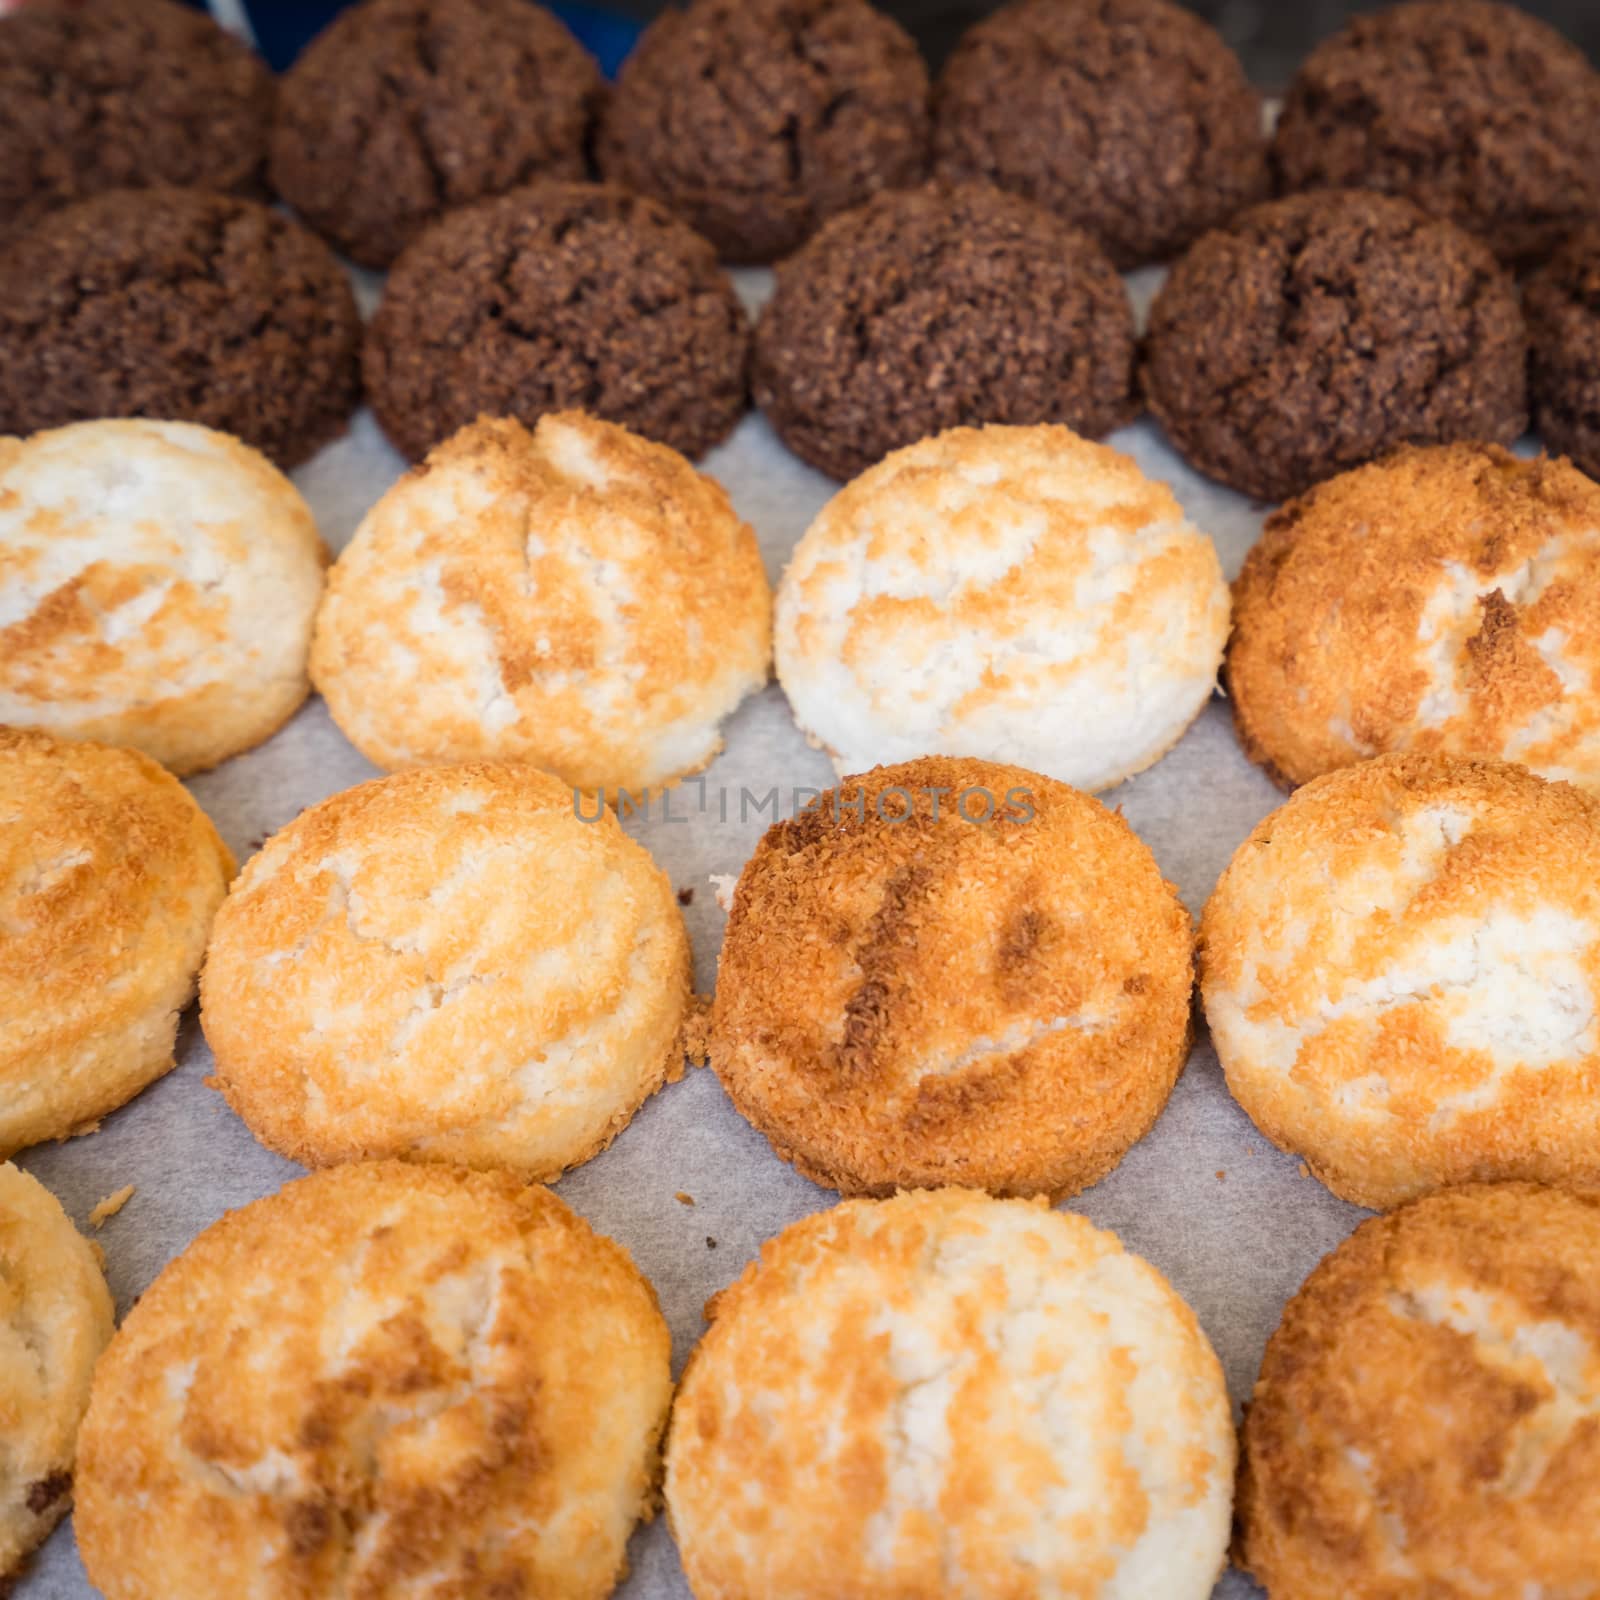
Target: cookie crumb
[
  {"x": 1305, "y": 1171},
  {"x": 724, "y": 883},
  {"x": 694, "y": 1036},
  {"x": 686, "y": 897},
  {"x": 111, "y": 1205},
  {"x": 711, "y": 1244},
  {"x": 1222, "y": 1176},
  {"x": 683, "y": 1199}
]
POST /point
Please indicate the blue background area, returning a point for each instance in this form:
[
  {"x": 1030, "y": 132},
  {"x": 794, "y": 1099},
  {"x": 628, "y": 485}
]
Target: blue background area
[{"x": 284, "y": 27}]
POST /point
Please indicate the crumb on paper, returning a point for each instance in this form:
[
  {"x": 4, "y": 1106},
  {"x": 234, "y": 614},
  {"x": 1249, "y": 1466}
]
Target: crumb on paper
[
  {"x": 1222, "y": 1175},
  {"x": 111, "y": 1205},
  {"x": 711, "y": 1244},
  {"x": 683, "y": 1199},
  {"x": 1305, "y": 1171},
  {"x": 724, "y": 884},
  {"x": 84, "y": 1132},
  {"x": 694, "y": 1034},
  {"x": 686, "y": 897}
]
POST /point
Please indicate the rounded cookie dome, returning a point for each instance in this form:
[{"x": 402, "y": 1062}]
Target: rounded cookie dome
[
  {"x": 572, "y": 596},
  {"x": 1424, "y": 1419},
  {"x": 554, "y": 297},
  {"x": 1315, "y": 333},
  {"x": 931, "y": 308},
  {"x": 953, "y": 971},
  {"x": 1443, "y": 600},
  {"x": 1401, "y": 970},
  {"x": 1562, "y": 302},
  {"x": 948, "y": 1394},
  {"x": 756, "y": 119},
  {"x": 55, "y": 1319},
  {"x": 401, "y": 110},
  {"x": 382, "y": 1378},
  {"x": 1018, "y": 594},
  {"x": 1130, "y": 119},
  {"x": 446, "y": 965},
  {"x": 158, "y": 583},
  {"x": 109, "y": 878}
]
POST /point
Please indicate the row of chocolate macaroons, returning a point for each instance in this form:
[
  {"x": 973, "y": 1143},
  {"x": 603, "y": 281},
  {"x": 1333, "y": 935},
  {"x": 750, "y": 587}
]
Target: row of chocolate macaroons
[
  {"x": 1308, "y": 335},
  {"x": 755, "y": 120}
]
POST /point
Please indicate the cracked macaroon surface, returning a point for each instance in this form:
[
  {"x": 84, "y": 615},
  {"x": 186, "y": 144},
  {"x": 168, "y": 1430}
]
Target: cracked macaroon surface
[
  {"x": 1002, "y": 1003},
  {"x": 110, "y": 875},
  {"x": 946, "y": 1394},
  {"x": 1562, "y": 305},
  {"x": 574, "y": 596},
  {"x": 756, "y": 119},
  {"x": 1443, "y": 600},
  {"x": 446, "y": 965},
  {"x": 174, "y": 304},
  {"x": 1427, "y": 1419},
  {"x": 55, "y": 1319},
  {"x": 560, "y": 296},
  {"x": 1129, "y": 118},
  {"x": 1314, "y": 333},
  {"x": 125, "y": 94},
  {"x": 1401, "y": 971},
  {"x": 157, "y": 587},
  {"x": 1014, "y": 593},
  {"x": 401, "y": 110},
  {"x": 940, "y": 307},
  {"x": 1476, "y": 111},
  {"x": 381, "y": 1380}
]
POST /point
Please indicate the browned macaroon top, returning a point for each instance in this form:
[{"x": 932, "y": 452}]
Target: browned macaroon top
[
  {"x": 1425, "y": 1420},
  {"x": 999, "y": 1003}
]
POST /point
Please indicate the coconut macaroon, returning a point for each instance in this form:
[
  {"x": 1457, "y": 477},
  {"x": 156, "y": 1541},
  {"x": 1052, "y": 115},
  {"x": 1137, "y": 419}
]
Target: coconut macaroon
[
  {"x": 1424, "y": 1423},
  {"x": 109, "y": 878},
  {"x": 382, "y": 1380},
  {"x": 1401, "y": 969},
  {"x": 447, "y": 965},
  {"x": 1019, "y": 594},
  {"x": 574, "y": 596},
  {"x": 1443, "y": 600},
  {"x": 158, "y": 582},
  {"x": 945, "y": 1394},
  {"x": 55, "y": 1319},
  {"x": 953, "y": 971}
]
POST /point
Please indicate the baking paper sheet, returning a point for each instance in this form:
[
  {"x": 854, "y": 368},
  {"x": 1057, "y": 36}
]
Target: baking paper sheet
[{"x": 1234, "y": 1224}]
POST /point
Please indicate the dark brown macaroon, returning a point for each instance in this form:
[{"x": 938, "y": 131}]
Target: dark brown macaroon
[
  {"x": 1318, "y": 332},
  {"x": 178, "y": 304},
  {"x": 1130, "y": 118},
  {"x": 1476, "y": 111},
  {"x": 935, "y": 308},
  {"x": 125, "y": 94},
  {"x": 562, "y": 296},
  {"x": 755, "y": 120},
  {"x": 401, "y": 110},
  {"x": 1562, "y": 305}
]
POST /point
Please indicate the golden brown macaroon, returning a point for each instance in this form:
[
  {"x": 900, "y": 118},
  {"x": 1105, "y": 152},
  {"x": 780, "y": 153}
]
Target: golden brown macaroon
[
  {"x": 451, "y": 964},
  {"x": 1444, "y": 600},
  {"x": 110, "y": 875},
  {"x": 991, "y": 990},
  {"x": 571, "y": 595},
  {"x": 942, "y": 1395},
  {"x": 1401, "y": 970},
  {"x": 1424, "y": 1426},
  {"x": 383, "y": 1380},
  {"x": 55, "y": 1319}
]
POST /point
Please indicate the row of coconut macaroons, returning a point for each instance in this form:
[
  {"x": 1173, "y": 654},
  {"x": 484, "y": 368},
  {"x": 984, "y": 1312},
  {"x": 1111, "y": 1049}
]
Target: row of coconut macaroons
[{"x": 581, "y": 598}]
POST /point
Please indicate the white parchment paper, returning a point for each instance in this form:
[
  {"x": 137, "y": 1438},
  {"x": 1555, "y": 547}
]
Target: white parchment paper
[{"x": 1232, "y": 1222}]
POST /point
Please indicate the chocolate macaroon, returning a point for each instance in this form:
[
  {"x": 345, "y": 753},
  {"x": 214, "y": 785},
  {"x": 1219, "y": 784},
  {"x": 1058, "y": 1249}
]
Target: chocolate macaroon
[
  {"x": 1562, "y": 304},
  {"x": 931, "y": 308},
  {"x": 1474, "y": 110},
  {"x": 1130, "y": 118},
  {"x": 125, "y": 94},
  {"x": 1319, "y": 331},
  {"x": 401, "y": 110},
  {"x": 180, "y": 305},
  {"x": 756, "y": 119},
  {"x": 559, "y": 297}
]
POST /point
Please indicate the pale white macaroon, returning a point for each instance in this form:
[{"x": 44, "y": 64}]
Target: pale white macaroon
[
  {"x": 944, "y": 1394},
  {"x": 574, "y": 596},
  {"x": 1018, "y": 594},
  {"x": 158, "y": 583}
]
